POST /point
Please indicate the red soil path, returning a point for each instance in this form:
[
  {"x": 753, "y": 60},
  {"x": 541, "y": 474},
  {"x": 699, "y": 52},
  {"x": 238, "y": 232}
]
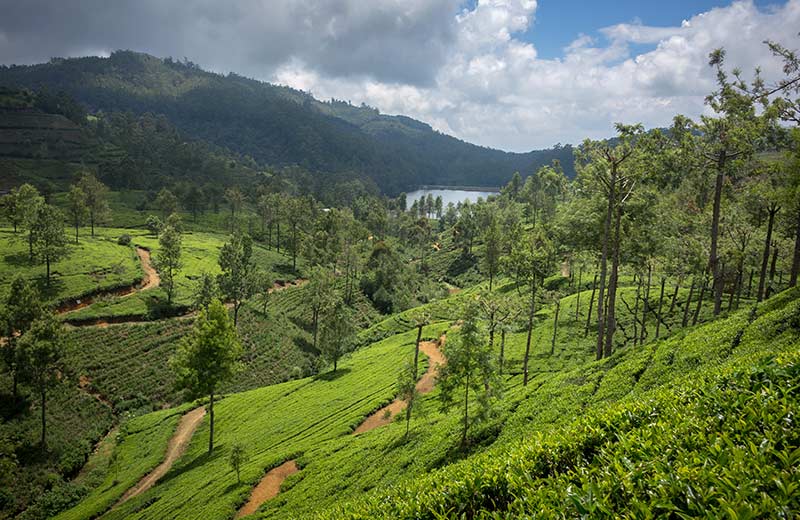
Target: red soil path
[
  {"x": 425, "y": 384},
  {"x": 268, "y": 488},
  {"x": 177, "y": 445}
]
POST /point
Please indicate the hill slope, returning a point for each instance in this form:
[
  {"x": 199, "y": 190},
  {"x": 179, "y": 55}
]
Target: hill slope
[
  {"x": 584, "y": 440},
  {"x": 279, "y": 126}
]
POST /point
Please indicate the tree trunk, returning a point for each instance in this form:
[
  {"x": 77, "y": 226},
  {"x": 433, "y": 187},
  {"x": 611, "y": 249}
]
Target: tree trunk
[
  {"x": 611, "y": 312},
  {"x": 578, "y": 295},
  {"x": 91, "y": 221},
  {"x": 762, "y": 282},
  {"x": 601, "y": 324},
  {"x": 530, "y": 331},
  {"x": 315, "y": 319},
  {"x": 76, "y": 231},
  {"x": 750, "y": 285},
  {"x": 636, "y": 311},
  {"x": 555, "y": 328},
  {"x": 502, "y": 350},
  {"x": 47, "y": 262},
  {"x": 795, "y": 256},
  {"x": 770, "y": 287},
  {"x": 660, "y": 305},
  {"x": 699, "y": 301},
  {"x": 416, "y": 350},
  {"x": 739, "y": 281},
  {"x": 646, "y": 304},
  {"x": 466, "y": 413},
  {"x": 44, "y": 421},
  {"x": 591, "y": 304},
  {"x": 236, "y": 305},
  {"x": 685, "y": 320},
  {"x": 211, "y": 422},
  {"x": 674, "y": 296},
  {"x": 713, "y": 260}
]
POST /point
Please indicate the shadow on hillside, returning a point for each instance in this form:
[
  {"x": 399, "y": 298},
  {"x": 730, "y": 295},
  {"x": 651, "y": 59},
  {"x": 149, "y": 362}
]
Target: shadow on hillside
[
  {"x": 302, "y": 324},
  {"x": 196, "y": 462},
  {"x": 331, "y": 375},
  {"x": 306, "y": 346},
  {"x": 10, "y": 407},
  {"x": 286, "y": 270},
  {"x": 18, "y": 259}
]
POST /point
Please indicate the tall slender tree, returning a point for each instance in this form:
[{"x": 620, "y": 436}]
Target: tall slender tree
[
  {"x": 207, "y": 357},
  {"x": 43, "y": 352}
]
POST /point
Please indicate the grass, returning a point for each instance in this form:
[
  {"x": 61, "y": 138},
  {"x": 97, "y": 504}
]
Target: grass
[
  {"x": 200, "y": 251},
  {"x": 139, "y": 447},
  {"x": 691, "y": 426},
  {"x": 275, "y": 423},
  {"x": 310, "y": 419},
  {"x": 94, "y": 264}
]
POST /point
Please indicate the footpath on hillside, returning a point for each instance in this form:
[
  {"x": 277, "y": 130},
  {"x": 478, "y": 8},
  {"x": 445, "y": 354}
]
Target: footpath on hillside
[
  {"x": 270, "y": 485},
  {"x": 385, "y": 415},
  {"x": 151, "y": 280},
  {"x": 177, "y": 445}
]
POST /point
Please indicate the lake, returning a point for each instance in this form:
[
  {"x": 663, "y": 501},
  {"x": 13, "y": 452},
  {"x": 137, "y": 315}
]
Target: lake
[{"x": 448, "y": 195}]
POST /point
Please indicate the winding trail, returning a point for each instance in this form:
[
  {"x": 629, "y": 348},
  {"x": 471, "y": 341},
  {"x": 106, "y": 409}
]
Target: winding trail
[
  {"x": 151, "y": 280},
  {"x": 425, "y": 385},
  {"x": 268, "y": 487},
  {"x": 177, "y": 445}
]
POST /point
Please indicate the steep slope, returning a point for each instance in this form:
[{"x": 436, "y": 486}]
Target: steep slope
[
  {"x": 279, "y": 126},
  {"x": 542, "y": 436}
]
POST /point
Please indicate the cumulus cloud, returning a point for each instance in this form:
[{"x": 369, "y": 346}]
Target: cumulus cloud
[{"x": 467, "y": 71}]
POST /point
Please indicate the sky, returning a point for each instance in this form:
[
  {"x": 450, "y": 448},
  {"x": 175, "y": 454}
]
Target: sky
[{"x": 510, "y": 74}]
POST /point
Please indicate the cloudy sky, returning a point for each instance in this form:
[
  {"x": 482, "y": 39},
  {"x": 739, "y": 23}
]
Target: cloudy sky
[{"x": 510, "y": 74}]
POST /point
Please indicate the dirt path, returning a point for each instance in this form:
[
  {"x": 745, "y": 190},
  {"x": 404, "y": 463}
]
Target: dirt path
[
  {"x": 177, "y": 445},
  {"x": 151, "y": 278},
  {"x": 150, "y": 281},
  {"x": 268, "y": 488},
  {"x": 425, "y": 384}
]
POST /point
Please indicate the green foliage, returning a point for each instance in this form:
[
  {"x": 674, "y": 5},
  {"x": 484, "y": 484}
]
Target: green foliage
[
  {"x": 207, "y": 357},
  {"x": 96, "y": 199},
  {"x": 41, "y": 355},
  {"x": 337, "y": 332},
  {"x": 237, "y": 457},
  {"x": 168, "y": 259},
  {"x": 237, "y": 278},
  {"x": 154, "y": 224},
  {"x": 49, "y": 243},
  {"x": 274, "y": 125},
  {"x": 469, "y": 366}
]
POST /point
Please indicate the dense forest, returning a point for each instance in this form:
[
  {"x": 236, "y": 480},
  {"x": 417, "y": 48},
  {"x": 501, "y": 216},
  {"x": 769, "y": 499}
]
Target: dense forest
[
  {"x": 189, "y": 325},
  {"x": 278, "y": 126}
]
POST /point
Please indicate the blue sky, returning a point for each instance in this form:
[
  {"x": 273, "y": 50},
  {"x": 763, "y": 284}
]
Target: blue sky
[{"x": 559, "y": 22}]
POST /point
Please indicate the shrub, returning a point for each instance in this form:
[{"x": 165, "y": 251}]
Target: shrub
[{"x": 124, "y": 240}]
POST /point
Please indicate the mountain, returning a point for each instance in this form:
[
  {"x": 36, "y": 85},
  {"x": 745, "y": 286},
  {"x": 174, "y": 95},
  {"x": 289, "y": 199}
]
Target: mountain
[{"x": 279, "y": 126}]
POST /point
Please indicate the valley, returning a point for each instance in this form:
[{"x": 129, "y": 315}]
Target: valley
[{"x": 224, "y": 298}]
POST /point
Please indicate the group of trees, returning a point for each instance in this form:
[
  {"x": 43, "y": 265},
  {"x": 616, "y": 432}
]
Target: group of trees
[
  {"x": 43, "y": 223},
  {"x": 33, "y": 344}
]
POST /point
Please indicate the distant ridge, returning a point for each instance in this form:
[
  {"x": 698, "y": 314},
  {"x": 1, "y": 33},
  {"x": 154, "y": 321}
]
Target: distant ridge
[{"x": 279, "y": 126}]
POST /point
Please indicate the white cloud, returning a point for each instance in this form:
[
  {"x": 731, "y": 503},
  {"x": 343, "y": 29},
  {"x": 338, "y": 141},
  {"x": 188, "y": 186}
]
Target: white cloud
[
  {"x": 466, "y": 71},
  {"x": 493, "y": 90}
]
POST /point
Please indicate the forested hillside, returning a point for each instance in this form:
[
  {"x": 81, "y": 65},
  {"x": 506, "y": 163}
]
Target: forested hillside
[
  {"x": 279, "y": 126},
  {"x": 186, "y": 332}
]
